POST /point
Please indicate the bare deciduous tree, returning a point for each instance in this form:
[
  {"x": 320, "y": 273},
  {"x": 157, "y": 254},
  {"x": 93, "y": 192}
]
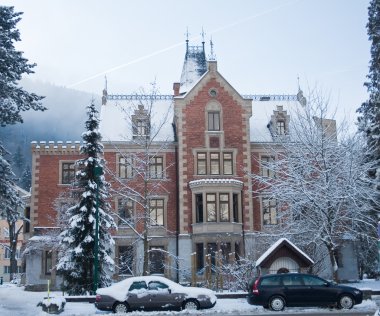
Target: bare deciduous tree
[
  {"x": 142, "y": 171},
  {"x": 319, "y": 182}
]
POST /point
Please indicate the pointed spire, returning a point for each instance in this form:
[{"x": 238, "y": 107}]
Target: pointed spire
[
  {"x": 187, "y": 34},
  {"x": 300, "y": 97},
  {"x": 105, "y": 94},
  {"x": 203, "y": 38},
  {"x": 298, "y": 80},
  {"x": 212, "y": 54}
]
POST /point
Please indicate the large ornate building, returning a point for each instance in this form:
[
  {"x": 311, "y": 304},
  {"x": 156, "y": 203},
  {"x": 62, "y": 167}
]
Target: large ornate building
[{"x": 202, "y": 143}]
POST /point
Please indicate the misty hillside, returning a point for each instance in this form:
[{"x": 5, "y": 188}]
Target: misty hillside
[{"x": 63, "y": 120}]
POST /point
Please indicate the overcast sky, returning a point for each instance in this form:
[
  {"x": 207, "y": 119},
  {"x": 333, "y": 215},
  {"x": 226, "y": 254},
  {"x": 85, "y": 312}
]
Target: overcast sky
[{"x": 261, "y": 46}]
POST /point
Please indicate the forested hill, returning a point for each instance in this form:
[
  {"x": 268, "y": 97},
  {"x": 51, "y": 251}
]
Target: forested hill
[{"x": 63, "y": 120}]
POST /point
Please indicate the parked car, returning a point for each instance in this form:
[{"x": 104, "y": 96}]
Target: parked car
[
  {"x": 152, "y": 293},
  {"x": 275, "y": 291}
]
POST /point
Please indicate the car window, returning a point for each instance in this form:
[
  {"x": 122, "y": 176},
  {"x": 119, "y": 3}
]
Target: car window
[
  {"x": 138, "y": 286},
  {"x": 311, "y": 280},
  {"x": 272, "y": 280},
  {"x": 156, "y": 285},
  {"x": 292, "y": 280}
]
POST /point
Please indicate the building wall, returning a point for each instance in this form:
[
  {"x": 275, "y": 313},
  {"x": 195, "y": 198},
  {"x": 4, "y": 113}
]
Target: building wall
[
  {"x": 181, "y": 234},
  {"x": 4, "y": 242}
]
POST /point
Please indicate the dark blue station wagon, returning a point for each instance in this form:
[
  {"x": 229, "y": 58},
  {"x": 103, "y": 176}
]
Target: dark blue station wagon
[{"x": 275, "y": 291}]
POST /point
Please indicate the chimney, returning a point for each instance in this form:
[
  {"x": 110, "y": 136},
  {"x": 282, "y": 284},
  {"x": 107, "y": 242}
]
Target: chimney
[{"x": 176, "y": 86}]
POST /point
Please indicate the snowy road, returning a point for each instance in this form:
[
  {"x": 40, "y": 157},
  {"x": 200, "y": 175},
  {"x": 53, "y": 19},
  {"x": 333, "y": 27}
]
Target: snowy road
[{"x": 16, "y": 302}]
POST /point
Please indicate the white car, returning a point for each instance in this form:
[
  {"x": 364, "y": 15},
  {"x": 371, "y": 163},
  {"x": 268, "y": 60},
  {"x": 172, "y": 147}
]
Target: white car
[{"x": 152, "y": 293}]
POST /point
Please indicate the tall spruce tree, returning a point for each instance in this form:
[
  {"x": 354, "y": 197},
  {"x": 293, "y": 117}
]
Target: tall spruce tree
[
  {"x": 26, "y": 178},
  {"x": 369, "y": 114},
  {"x": 13, "y": 101},
  {"x": 369, "y": 119},
  {"x": 76, "y": 263}
]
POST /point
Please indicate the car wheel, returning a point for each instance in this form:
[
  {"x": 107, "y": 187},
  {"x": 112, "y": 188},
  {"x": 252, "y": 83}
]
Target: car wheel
[
  {"x": 276, "y": 303},
  {"x": 120, "y": 308},
  {"x": 191, "y": 305},
  {"x": 346, "y": 302}
]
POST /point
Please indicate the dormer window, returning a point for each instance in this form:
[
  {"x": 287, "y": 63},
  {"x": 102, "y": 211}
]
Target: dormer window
[
  {"x": 279, "y": 123},
  {"x": 214, "y": 121},
  {"x": 140, "y": 122}
]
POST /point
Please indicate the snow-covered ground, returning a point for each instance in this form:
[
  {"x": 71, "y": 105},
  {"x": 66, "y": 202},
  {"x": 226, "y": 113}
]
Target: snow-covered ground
[{"x": 15, "y": 301}]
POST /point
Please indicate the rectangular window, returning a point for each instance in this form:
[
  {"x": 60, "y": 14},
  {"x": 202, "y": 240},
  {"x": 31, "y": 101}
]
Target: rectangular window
[
  {"x": 157, "y": 260},
  {"x": 125, "y": 259},
  {"x": 224, "y": 207},
  {"x": 266, "y": 166},
  {"x": 156, "y": 168},
  {"x": 199, "y": 208},
  {"x": 7, "y": 269},
  {"x": 142, "y": 128},
  {"x": 214, "y": 163},
  {"x": 157, "y": 212},
  {"x": 280, "y": 128},
  {"x": 48, "y": 262},
  {"x": 125, "y": 211},
  {"x": 7, "y": 253},
  {"x": 211, "y": 207},
  {"x": 200, "y": 256},
  {"x": 126, "y": 167},
  {"x": 213, "y": 121},
  {"x": 27, "y": 220},
  {"x": 227, "y": 163},
  {"x": 68, "y": 172},
  {"x": 269, "y": 207},
  {"x": 201, "y": 163},
  {"x": 235, "y": 207}
]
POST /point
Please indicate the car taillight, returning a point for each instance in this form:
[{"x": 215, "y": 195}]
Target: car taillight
[
  {"x": 98, "y": 298},
  {"x": 255, "y": 290}
]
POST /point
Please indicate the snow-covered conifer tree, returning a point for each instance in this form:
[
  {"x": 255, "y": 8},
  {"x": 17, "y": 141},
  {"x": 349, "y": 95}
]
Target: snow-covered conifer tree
[
  {"x": 76, "y": 262},
  {"x": 26, "y": 178},
  {"x": 369, "y": 111},
  {"x": 369, "y": 120},
  {"x": 13, "y": 99}
]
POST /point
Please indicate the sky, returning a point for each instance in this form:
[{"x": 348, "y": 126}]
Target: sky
[{"x": 262, "y": 46}]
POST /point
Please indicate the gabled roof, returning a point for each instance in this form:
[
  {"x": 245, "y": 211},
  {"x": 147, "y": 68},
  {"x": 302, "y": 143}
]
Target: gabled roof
[{"x": 277, "y": 245}]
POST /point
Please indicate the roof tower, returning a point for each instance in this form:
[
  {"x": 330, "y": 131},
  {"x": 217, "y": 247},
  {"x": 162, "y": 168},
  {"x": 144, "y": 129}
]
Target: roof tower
[{"x": 194, "y": 65}]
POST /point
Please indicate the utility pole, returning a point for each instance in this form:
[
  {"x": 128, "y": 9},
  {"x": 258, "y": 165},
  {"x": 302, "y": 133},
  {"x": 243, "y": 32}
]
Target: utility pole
[{"x": 98, "y": 171}]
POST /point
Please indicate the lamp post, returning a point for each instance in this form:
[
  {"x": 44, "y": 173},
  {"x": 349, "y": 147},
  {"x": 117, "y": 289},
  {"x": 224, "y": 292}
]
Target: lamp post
[{"x": 98, "y": 171}]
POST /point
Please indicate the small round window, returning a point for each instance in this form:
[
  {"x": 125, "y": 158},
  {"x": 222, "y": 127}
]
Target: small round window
[{"x": 213, "y": 93}]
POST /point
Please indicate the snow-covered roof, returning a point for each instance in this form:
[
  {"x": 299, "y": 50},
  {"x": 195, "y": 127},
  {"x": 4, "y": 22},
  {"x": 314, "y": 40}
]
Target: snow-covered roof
[
  {"x": 116, "y": 124},
  {"x": 215, "y": 181},
  {"x": 276, "y": 245},
  {"x": 194, "y": 67},
  {"x": 261, "y": 116}
]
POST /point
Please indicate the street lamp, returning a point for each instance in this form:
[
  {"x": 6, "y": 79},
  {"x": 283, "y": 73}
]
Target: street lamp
[{"x": 98, "y": 171}]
